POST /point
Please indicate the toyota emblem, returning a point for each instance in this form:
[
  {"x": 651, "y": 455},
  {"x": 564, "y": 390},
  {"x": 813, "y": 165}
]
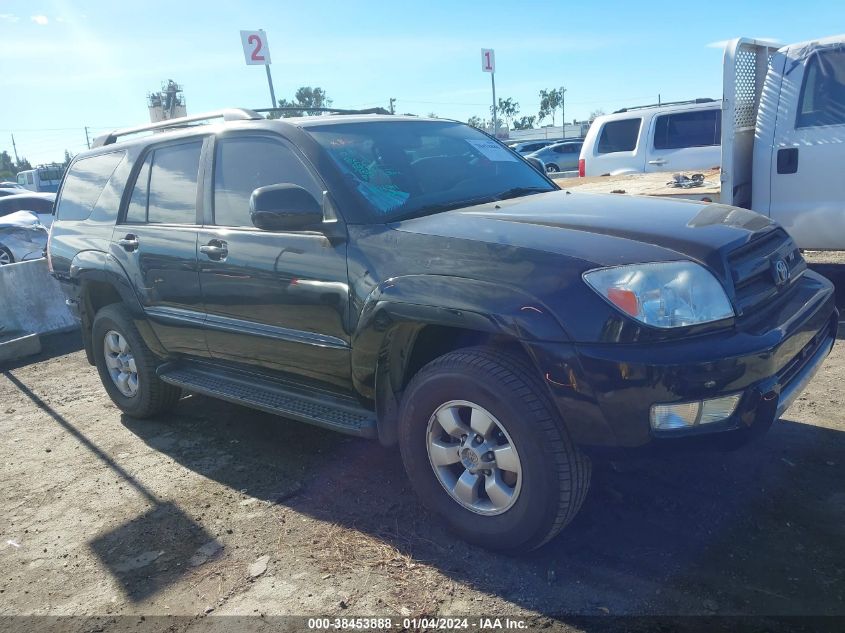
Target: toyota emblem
[{"x": 781, "y": 272}]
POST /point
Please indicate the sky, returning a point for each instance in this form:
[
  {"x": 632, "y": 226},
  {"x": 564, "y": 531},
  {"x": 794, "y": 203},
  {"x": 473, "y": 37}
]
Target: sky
[{"x": 68, "y": 64}]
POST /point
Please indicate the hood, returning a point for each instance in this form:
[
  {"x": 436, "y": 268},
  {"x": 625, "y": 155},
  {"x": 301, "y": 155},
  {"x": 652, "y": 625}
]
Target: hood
[
  {"x": 20, "y": 220},
  {"x": 602, "y": 229}
]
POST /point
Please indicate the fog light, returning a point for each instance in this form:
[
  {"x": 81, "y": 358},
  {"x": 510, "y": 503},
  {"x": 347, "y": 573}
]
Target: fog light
[
  {"x": 675, "y": 416},
  {"x": 684, "y": 415},
  {"x": 719, "y": 409}
]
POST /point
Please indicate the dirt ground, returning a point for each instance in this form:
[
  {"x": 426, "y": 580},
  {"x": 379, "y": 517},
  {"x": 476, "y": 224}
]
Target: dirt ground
[{"x": 216, "y": 509}]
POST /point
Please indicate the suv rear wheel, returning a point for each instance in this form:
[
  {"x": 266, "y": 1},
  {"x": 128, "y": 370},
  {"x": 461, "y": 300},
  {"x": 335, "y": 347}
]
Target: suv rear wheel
[
  {"x": 127, "y": 366},
  {"x": 485, "y": 448}
]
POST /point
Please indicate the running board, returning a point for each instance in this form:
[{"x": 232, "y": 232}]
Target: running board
[{"x": 340, "y": 414}]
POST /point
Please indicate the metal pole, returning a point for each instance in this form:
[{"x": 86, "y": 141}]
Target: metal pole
[
  {"x": 495, "y": 119},
  {"x": 15, "y": 149},
  {"x": 273, "y": 103},
  {"x": 563, "y": 112},
  {"x": 87, "y": 142}
]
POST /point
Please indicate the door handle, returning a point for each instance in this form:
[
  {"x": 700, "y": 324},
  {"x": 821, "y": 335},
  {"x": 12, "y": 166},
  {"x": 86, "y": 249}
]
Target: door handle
[
  {"x": 215, "y": 249},
  {"x": 129, "y": 243},
  {"x": 787, "y": 160},
  {"x": 657, "y": 161}
]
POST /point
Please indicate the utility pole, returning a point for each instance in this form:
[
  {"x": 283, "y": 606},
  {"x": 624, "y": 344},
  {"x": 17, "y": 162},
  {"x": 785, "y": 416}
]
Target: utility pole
[
  {"x": 392, "y": 103},
  {"x": 15, "y": 149},
  {"x": 87, "y": 141},
  {"x": 562, "y": 112}
]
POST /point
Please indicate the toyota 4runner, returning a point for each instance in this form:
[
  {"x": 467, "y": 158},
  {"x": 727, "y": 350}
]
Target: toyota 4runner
[{"x": 415, "y": 281}]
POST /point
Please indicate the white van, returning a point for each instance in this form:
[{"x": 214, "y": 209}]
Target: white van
[
  {"x": 666, "y": 137},
  {"x": 42, "y": 178}
]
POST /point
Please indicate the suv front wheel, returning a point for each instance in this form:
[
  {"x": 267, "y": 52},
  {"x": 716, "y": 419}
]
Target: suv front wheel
[
  {"x": 127, "y": 367},
  {"x": 485, "y": 448}
]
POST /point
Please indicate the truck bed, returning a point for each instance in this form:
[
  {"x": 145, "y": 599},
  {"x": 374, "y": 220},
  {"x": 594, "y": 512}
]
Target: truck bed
[{"x": 648, "y": 184}]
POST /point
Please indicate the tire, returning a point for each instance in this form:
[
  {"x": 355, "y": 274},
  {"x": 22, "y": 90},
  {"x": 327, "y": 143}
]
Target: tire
[
  {"x": 6, "y": 256},
  {"x": 551, "y": 168},
  {"x": 554, "y": 475},
  {"x": 151, "y": 395}
]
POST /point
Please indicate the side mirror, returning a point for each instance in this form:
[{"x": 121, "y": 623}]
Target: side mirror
[
  {"x": 284, "y": 207},
  {"x": 537, "y": 164}
]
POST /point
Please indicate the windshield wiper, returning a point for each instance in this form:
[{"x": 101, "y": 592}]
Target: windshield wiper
[
  {"x": 516, "y": 192},
  {"x": 443, "y": 206}
]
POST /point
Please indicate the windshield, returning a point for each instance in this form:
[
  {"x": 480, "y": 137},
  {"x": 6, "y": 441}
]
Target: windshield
[
  {"x": 50, "y": 174},
  {"x": 402, "y": 169}
]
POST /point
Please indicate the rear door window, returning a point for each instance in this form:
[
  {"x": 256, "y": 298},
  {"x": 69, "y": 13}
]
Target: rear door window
[
  {"x": 173, "y": 184},
  {"x": 699, "y": 128},
  {"x": 619, "y": 136},
  {"x": 823, "y": 93},
  {"x": 84, "y": 183}
]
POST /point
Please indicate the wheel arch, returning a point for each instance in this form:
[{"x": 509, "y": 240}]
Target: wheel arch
[
  {"x": 100, "y": 284},
  {"x": 408, "y": 322}
]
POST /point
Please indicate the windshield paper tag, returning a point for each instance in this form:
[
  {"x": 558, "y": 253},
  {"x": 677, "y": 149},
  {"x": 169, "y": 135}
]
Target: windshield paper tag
[{"x": 492, "y": 150}]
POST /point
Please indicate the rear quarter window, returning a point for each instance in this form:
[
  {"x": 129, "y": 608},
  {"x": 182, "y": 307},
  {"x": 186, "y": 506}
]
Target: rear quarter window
[
  {"x": 699, "y": 128},
  {"x": 619, "y": 136},
  {"x": 84, "y": 184}
]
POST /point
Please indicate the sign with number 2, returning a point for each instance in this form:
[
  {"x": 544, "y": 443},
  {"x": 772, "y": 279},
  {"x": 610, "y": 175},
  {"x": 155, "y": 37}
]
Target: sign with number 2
[{"x": 256, "y": 49}]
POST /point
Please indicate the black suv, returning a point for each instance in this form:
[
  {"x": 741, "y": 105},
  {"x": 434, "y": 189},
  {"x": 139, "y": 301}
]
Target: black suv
[{"x": 415, "y": 281}]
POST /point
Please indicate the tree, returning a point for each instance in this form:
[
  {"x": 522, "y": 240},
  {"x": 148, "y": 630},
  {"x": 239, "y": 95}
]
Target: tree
[
  {"x": 22, "y": 165},
  {"x": 7, "y": 167},
  {"x": 306, "y": 100},
  {"x": 475, "y": 121},
  {"x": 68, "y": 158},
  {"x": 550, "y": 101},
  {"x": 595, "y": 114},
  {"x": 432, "y": 115},
  {"x": 524, "y": 123},
  {"x": 507, "y": 109}
]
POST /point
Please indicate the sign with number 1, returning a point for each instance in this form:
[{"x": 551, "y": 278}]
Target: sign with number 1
[
  {"x": 256, "y": 49},
  {"x": 488, "y": 60}
]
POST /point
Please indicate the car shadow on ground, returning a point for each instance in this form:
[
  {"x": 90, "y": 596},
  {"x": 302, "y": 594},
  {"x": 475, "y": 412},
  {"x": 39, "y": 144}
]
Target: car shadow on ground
[{"x": 756, "y": 531}]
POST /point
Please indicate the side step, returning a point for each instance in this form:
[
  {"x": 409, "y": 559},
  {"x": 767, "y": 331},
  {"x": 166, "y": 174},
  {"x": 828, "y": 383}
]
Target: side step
[{"x": 305, "y": 405}]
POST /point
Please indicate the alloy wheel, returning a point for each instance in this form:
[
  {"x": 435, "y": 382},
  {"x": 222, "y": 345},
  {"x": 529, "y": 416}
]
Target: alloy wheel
[{"x": 474, "y": 458}]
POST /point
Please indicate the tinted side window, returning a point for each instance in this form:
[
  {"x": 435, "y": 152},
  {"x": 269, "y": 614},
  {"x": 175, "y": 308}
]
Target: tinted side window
[
  {"x": 688, "y": 129},
  {"x": 244, "y": 164},
  {"x": 83, "y": 185},
  {"x": 173, "y": 184},
  {"x": 619, "y": 136},
  {"x": 823, "y": 93},
  {"x": 137, "y": 210}
]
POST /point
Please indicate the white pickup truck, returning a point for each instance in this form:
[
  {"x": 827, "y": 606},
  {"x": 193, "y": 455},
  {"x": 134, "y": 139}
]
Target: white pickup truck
[{"x": 783, "y": 140}]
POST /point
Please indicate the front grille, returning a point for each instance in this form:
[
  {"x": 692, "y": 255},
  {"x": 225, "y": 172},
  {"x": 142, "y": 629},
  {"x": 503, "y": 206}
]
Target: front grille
[{"x": 752, "y": 269}]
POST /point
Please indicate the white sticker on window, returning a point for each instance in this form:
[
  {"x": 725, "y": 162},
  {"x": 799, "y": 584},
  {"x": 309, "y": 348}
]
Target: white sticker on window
[{"x": 492, "y": 150}]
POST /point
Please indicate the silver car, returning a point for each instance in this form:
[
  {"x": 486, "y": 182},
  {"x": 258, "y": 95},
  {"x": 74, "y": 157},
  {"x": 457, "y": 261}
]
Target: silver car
[
  {"x": 22, "y": 237},
  {"x": 559, "y": 157}
]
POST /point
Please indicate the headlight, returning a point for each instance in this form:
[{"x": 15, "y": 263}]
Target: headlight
[{"x": 663, "y": 294}]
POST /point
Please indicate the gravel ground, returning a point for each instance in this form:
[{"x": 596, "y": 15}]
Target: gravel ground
[{"x": 216, "y": 509}]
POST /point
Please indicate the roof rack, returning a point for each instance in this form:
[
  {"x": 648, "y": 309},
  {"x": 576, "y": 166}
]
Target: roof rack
[
  {"x": 231, "y": 114},
  {"x": 331, "y": 110},
  {"x": 667, "y": 103}
]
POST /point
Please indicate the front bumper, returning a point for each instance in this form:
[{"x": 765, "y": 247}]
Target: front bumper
[{"x": 605, "y": 391}]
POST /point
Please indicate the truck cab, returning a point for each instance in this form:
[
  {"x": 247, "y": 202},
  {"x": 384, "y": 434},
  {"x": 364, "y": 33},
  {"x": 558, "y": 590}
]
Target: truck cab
[{"x": 782, "y": 136}]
